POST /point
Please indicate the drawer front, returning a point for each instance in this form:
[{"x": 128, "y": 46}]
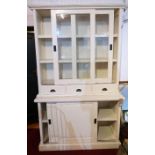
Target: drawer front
[
  {"x": 53, "y": 90},
  {"x": 103, "y": 89},
  {"x": 79, "y": 90}
]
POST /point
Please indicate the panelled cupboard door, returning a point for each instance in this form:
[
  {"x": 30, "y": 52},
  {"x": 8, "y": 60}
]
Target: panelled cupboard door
[
  {"x": 52, "y": 123},
  {"x": 82, "y": 45},
  {"x": 75, "y": 122}
]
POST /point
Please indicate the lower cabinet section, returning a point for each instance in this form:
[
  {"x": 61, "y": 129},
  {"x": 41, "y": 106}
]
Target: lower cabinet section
[{"x": 79, "y": 125}]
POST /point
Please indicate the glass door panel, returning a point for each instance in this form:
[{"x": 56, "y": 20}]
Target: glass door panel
[
  {"x": 65, "y": 49},
  {"x": 64, "y": 43},
  {"x": 83, "y": 48},
  {"x": 102, "y": 24},
  {"x": 65, "y": 70},
  {"x": 83, "y": 54},
  {"x": 83, "y": 24},
  {"x": 102, "y": 45},
  {"x": 102, "y": 48},
  {"x": 63, "y": 25}
]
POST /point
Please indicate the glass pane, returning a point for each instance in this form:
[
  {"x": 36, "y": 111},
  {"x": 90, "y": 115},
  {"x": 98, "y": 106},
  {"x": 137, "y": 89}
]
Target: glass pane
[
  {"x": 63, "y": 24},
  {"x": 47, "y": 74},
  {"x": 101, "y": 70},
  {"x": 83, "y": 48},
  {"x": 83, "y": 70},
  {"x": 64, "y": 49},
  {"x": 65, "y": 70},
  {"x": 102, "y": 48},
  {"x": 102, "y": 24},
  {"x": 83, "y": 24},
  {"x": 45, "y": 48}
]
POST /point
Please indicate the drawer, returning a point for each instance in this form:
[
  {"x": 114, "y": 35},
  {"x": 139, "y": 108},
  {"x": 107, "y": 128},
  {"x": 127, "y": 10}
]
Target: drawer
[
  {"x": 53, "y": 90},
  {"x": 100, "y": 89},
  {"x": 79, "y": 90}
]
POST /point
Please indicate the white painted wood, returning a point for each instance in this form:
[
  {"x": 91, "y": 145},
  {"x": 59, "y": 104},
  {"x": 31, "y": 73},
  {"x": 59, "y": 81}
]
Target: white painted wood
[
  {"x": 106, "y": 115},
  {"x": 35, "y": 16},
  {"x": 40, "y": 123},
  {"x": 78, "y": 98},
  {"x": 74, "y": 3},
  {"x": 74, "y": 127},
  {"x": 72, "y": 80},
  {"x": 81, "y": 146},
  {"x": 111, "y": 32},
  {"x": 106, "y": 133},
  {"x": 53, "y": 127},
  {"x": 74, "y": 64}
]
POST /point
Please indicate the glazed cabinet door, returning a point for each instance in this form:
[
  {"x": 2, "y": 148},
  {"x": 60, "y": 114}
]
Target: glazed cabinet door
[
  {"x": 82, "y": 45},
  {"x": 103, "y": 38},
  {"x": 75, "y": 122},
  {"x": 72, "y": 45}
]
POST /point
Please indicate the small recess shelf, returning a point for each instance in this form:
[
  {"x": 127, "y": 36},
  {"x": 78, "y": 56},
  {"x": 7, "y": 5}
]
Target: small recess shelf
[
  {"x": 44, "y": 36},
  {"x": 105, "y": 133},
  {"x": 65, "y": 61},
  {"x": 46, "y": 61},
  {"x": 47, "y": 82},
  {"x": 106, "y": 115}
]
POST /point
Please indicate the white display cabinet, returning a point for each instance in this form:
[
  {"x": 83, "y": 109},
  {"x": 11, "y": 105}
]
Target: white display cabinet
[{"x": 78, "y": 54}]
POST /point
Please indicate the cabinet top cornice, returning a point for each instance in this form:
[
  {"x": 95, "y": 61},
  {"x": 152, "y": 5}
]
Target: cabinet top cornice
[{"x": 47, "y": 4}]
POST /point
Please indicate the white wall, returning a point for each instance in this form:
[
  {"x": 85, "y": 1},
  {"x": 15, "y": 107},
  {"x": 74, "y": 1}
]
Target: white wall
[{"x": 124, "y": 48}]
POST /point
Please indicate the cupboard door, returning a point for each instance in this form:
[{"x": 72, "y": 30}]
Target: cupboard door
[
  {"x": 76, "y": 122},
  {"x": 103, "y": 45},
  {"x": 52, "y": 123}
]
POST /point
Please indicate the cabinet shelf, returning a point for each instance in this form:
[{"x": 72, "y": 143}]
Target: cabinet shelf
[
  {"x": 44, "y": 36},
  {"x": 47, "y": 82},
  {"x": 63, "y": 36},
  {"x": 82, "y": 36},
  {"x": 65, "y": 61},
  {"x": 46, "y": 61},
  {"x": 106, "y": 133},
  {"x": 83, "y": 61},
  {"x": 106, "y": 115},
  {"x": 115, "y": 35},
  {"x": 101, "y": 35}
]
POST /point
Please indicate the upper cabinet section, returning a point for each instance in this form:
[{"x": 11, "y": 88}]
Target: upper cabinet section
[{"x": 77, "y": 46}]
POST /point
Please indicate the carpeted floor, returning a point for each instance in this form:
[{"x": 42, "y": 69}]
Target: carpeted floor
[{"x": 33, "y": 141}]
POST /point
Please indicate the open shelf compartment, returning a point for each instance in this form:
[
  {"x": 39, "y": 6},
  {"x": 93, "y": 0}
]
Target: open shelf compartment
[
  {"x": 107, "y": 111},
  {"x": 45, "y": 49},
  {"x": 106, "y": 131},
  {"x": 44, "y": 22},
  {"x": 47, "y": 75}
]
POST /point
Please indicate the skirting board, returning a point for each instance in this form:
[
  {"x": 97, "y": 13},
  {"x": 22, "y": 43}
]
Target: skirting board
[{"x": 90, "y": 146}]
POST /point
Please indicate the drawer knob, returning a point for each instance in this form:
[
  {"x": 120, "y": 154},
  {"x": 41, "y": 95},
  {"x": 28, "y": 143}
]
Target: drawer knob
[
  {"x": 104, "y": 89},
  {"x": 78, "y": 90},
  {"x": 52, "y": 90}
]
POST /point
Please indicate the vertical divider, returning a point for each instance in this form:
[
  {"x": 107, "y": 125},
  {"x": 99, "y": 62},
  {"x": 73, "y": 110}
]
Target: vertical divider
[
  {"x": 73, "y": 32},
  {"x": 36, "y": 20},
  {"x": 92, "y": 45},
  {"x": 40, "y": 123},
  {"x": 55, "y": 42},
  {"x": 110, "y": 57}
]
